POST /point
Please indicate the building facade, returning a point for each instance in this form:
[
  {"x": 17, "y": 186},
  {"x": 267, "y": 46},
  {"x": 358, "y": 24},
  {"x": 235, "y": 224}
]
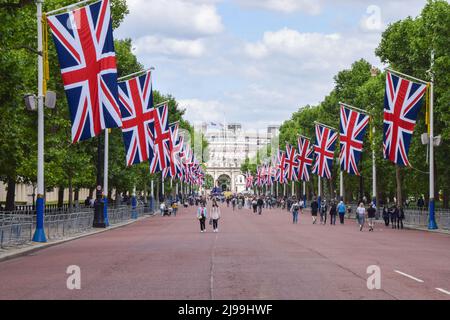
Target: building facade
[{"x": 229, "y": 146}]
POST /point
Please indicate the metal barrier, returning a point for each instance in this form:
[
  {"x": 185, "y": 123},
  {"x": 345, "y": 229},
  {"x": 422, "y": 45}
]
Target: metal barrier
[{"x": 17, "y": 228}]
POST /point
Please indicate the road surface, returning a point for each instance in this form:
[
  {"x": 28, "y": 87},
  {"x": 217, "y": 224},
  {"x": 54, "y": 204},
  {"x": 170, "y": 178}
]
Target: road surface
[{"x": 252, "y": 257}]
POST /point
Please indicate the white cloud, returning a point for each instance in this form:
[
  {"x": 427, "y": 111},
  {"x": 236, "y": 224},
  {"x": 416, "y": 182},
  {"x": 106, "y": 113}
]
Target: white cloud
[
  {"x": 312, "y": 7},
  {"x": 203, "y": 110},
  {"x": 170, "y": 47},
  {"x": 175, "y": 18}
]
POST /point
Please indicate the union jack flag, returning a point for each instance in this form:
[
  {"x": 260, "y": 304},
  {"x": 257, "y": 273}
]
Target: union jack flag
[
  {"x": 259, "y": 176},
  {"x": 324, "y": 151},
  {"x": 281, "y": 167},
  {"x": 304, "y": 158},
  {"x": 173, "y": 148},
  {"x": 291, "y": 163},
  {"x": 402, "y": 102},
  {"x": 85, "y": 46},
  {"x": 161, "y": 134},
  {"x": 136, "y": 106},
  {"x": 248, "y": 180},
  {"x": 352, "y": 128}
]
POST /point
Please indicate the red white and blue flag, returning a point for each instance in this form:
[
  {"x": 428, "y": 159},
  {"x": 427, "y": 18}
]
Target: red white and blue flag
[
  {"x": 248, "y": 180},
  {"x": 161, "y": 135},
  {"x": 304, "y": 158},
  {"x": 352, "y": 128},
  {"x": 85, "y": 46},
  {"x": 281, "y": 167},
  {"x": 324, "y": 151},
  {"x": 402, "y": 102},
  {"x": 291, "y": 163},
  {"x": 173, "y": 147},
  {"x": 136, "y": 106}
]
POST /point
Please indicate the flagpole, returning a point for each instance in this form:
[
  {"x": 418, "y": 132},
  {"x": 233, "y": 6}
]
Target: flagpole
[
  {"x": 105, "y": 179},
  {"x": 152, "y": 197},
  {"x": 293, "y": 188},
  {"x": 341, "y": 185},
  {"x": 39, "y": 233},
  {"x": 304, "y": 193},
  {"x": 432, "y": 225},
  {"x": 319, "y": 190}
]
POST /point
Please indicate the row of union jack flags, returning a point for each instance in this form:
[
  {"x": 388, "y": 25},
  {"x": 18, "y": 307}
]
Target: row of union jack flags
[
  {"x": 85, "y": 46},
  {"x": 403, "y": 100}
]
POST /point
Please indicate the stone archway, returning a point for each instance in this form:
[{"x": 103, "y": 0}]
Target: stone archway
[{"x": 224, "y": 182}]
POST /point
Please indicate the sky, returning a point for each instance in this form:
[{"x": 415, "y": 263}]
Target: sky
[{"x": 255, "y": 62}]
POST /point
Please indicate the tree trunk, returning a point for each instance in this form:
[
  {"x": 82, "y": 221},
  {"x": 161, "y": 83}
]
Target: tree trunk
[
  {"x": 445, "y": 199},
  {"x": 399, "y": 186},
  {"x": 76, "y": 197},
  {"x": 60, "y": 197},
  {"x": 11, "y": 194},
  {"x": 70, "y": 194}
]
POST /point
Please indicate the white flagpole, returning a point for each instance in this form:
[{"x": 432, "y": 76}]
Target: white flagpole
[
  {"x": 374, "y": 170},
  {"x": 432, "y": 221},
  {"x": 39, "y": 233},
  {"x": 341, "y": 185},
  {"x": 105, "y": 179},
  {"x": 319, "y": 191}
]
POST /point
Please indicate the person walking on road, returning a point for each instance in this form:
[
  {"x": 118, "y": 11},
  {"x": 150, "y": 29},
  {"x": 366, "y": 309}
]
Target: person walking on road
[
  {"x": 361, "y": 214},
  {"x": 301, "y": 205},
  {"x": 233, "y": 203},
  {"x": 215, "y": 216},
  {"x": 386, "y": 216},
  {"x": 162, "y": 208},
  {"x": 202, "y": 214},
  {"x": 260, "y": 204},
  {"x": 314, "y": 208},
  {"x": 294, "y": 209},
  {"x": 341, "y": 210},
  {"x": 371, "y": 216},
  {"x": 333, "y": 212},
  {"x": 323, "y": 212},
  {"x": 254, "y": 205},
  {"x": 174, "y": 208},
  {"x": 394, "y": 216},
  {"x": 400, "y": 218}
]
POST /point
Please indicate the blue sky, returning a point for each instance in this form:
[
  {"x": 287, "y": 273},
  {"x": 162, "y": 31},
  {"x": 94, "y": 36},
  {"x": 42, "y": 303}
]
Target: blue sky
[{"x": 255, "y": 61}]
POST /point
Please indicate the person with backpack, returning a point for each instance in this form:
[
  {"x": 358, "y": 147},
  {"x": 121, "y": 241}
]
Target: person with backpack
[
  {"x": 314, "y": 208},
  {"x": 333, "y": 212},
  {"x": 202, "y": 214},
  {"x": 323, "y": 212},
  {"x": 371, "y": 212},
  {"x": 294, "y": 209},
  {"x": 341, "y": 211}
]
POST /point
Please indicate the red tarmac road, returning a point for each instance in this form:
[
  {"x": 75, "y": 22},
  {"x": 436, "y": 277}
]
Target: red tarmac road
[{"x": 252, "y": 257}]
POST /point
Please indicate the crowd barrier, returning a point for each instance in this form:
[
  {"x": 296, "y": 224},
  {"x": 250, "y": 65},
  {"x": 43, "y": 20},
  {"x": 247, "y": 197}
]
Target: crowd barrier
[{"x": 17, "y": 229}]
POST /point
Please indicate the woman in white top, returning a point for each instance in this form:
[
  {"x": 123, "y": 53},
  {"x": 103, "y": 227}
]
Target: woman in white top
[
  {"x": 215, "y": 216},
  {"x": 361, "y": 214}
]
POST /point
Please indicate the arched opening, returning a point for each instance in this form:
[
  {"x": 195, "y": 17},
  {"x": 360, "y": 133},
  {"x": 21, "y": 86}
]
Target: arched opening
[{"x": 224, "y": 182}]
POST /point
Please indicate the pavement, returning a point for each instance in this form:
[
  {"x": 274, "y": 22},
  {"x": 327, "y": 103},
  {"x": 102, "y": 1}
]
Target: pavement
[{"x": 251, "y": 257}]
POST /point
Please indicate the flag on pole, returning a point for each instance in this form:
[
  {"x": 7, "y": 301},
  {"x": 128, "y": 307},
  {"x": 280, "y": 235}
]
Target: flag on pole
[
  {"x": 281, "y": 167},
  {"x": 172, "y": 149},
  {"x": 291, "y": 163},
  {"x": 352, "y": 128},
  {"x": 324, "y": 151},
  {"x": 304, "y": 158},
  {"x": 161, "y": 134},
  {"x": 248, "y": 180},
  {"x": 85, "y": 47},
  {"x": 136, "y": 106},
  {"x": 402, "y": 102}
]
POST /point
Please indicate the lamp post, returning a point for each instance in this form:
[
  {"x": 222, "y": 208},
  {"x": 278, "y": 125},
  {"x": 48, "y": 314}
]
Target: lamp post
[{"x": 432, "y": 225}]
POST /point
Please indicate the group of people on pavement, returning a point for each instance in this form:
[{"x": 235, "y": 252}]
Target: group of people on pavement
[
  {"x": 202, "y": 215},
  {"x": 393, "y": 215}
]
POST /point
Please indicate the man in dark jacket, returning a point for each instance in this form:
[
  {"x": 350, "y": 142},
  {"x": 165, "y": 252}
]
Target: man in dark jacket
[
  {"x": 314, "y": 207},
  {"x": 260, "y": 204}
]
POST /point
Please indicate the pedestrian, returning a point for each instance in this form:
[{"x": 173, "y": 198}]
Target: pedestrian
[
  {"x": 333, "y": 212},
  {"x": 202, "y": 214},
  {"x": 394, "y": 216},
  {"x": 314, "y": 208},
  {"x": 174, "y": 208},
  {"x": 371, "y": 212},
  {"x": 301, "y": 204},
  {"x": 233, "y": 203},
  {"x": 323, "y": 212},
  {"x": 162, "y": 208},
  {"x": 294, "y": 209},
  {"x": 386, "y": 216},
  {"x": 361, "y": 214},
  {"x": 260, "y": 204},
  {"x": 420, "y": 203},
  {"x": 254, "y": 205},
  {"x": 400, "y": 218},
  {"x": 215, "y": 216},
  {"x": 341, "y": 211}
]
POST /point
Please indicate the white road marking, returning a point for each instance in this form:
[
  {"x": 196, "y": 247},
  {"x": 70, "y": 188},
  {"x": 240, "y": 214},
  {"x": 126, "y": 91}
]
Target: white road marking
[
  {"x": 443, "y": 291},
  {"x": 409, "y": 276}
]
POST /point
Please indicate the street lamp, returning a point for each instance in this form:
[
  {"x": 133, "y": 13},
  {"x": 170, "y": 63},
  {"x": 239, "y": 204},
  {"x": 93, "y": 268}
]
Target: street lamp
[{"x": 374, "y": 72}]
